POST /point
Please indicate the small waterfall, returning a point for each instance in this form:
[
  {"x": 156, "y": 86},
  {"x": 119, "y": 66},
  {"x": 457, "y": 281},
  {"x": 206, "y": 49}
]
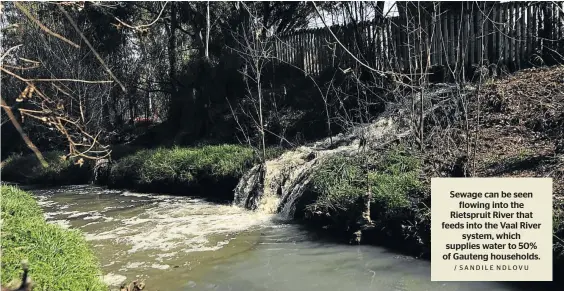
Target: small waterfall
[
  {"x": 287, "y": 177},
  {"x": 245, "y": 188},
  {"x": 279, "y": 178},
  {"x": 287, "y": 205}
]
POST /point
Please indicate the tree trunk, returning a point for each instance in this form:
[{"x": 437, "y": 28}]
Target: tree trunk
[
  {"x": 207, "y": 53},
  {"x": 259, "y": 89},
  {"x": 175, "y": 105}
]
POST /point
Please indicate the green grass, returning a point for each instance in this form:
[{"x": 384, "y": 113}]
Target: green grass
[
  {"x": 159, "y": 170},
  {"x": 59, "y": 259},
  {"x": 335, "y": 198},
  {"x": 338, "y": 186},
  {"x": 28, "y": 170},
  {"x": 181, "y": 166},
  {"x": 341, "y": 182}
]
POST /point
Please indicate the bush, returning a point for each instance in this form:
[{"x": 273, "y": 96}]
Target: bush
[
  {"x": 178, "y": 170},
  {"x": 338, "y": 185},
  {"x": 59, "y": 259},
  {"x": 28, "y": 170},
  {"x": 341, "y": 182}
]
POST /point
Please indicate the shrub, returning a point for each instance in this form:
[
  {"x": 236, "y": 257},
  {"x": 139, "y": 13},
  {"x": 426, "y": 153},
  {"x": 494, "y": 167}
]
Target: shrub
[
  {"x": 59, "y": 259},
  {"x": 341, "y": 182}
]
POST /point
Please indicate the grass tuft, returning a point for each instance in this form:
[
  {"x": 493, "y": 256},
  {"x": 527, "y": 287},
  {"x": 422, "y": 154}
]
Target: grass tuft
[{"x": 59, "y": 259}]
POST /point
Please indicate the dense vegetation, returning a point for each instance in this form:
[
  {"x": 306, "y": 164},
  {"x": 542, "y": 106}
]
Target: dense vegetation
[
  {"x": 168, "y": 84},
  {"x": 213, "y": 169},
  {"x": 398, "y": 200},
  {"x": 59, "y": 259}
]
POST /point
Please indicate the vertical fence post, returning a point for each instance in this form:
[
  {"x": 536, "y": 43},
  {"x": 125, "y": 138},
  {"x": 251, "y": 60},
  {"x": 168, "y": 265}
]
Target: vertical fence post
[
  {"x": 518, "y": 24},
  {"x": 492, "y": 16},
  {"x": 443, "y": 40},
  {"x": 464, "y": 40},
  {"x": 525, "y": 34},
  {"x": 512, "y": 36},
  {"x": 530, "y": 27},
  {"x": 451, "y": 45}
]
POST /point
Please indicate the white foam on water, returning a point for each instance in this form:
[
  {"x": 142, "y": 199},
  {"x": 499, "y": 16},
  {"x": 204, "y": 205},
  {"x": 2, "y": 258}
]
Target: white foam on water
[
  {"x": 112, "y": 279},
  {"x": 68, "y": 214},
  {"x": 175, "y": 225},
  {"x": 160, "y": 228},
  {"x": 132, "y": 265},
  {"x": 127, "y": 193},
  {"x": 62, "y": 223},
  {"x": 162, "y": 256},
  {"x": 160, "y": 267},
  {"x": 86, "y": 214},
  {"x": 111, "y": 207},
  {"x": 93, "y": 217},
  {"x": 43, "y": 202}
]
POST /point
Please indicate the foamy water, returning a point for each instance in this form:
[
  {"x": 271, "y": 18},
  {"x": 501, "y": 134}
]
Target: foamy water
[
  {"x": 181, "y": 225},
  {"x": 162, "y": 229}
]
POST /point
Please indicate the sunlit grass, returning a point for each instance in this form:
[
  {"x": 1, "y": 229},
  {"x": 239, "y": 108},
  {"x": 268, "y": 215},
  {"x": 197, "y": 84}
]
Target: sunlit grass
[
  {"x": 341, "y": 181},
  {"x": 183, "y": 165},
  {"x": 59, "y": 259}
]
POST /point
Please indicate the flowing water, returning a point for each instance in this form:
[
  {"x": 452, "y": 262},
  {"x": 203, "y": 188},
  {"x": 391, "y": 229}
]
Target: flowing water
[{"x": 181, "y": 243}]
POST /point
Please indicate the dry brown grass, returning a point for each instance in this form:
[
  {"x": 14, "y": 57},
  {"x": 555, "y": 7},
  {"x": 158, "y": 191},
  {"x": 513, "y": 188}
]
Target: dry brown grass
[{"x": 521, "y": 126}]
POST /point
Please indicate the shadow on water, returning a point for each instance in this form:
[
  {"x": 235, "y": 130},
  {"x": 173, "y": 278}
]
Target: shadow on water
[{"x": 324, "y": 238}]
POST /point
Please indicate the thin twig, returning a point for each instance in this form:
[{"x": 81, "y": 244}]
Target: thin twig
[
  {"x": 43, "y": 27},
  {"x": 143, "y": 25},
  {"x": 69, "y": 80},
  {"x": 27, "y": 82},
  {"x": 8, "y": 51},
  {"x": 91, "y": 47}
]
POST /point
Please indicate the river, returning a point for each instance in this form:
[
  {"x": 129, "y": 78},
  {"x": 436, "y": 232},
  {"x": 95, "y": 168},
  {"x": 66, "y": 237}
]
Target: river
[{"x": 182, "y": 243}]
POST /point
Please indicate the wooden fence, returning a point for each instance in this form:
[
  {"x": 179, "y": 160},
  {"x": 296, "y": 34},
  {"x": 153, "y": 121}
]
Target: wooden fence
[{"x": 506, "y": 36}]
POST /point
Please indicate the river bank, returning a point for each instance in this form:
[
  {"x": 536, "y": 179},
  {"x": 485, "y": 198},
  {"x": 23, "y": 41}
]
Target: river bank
[
  {"x": 332, "y": 201},
  {"x": 58, "y": 259}
]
